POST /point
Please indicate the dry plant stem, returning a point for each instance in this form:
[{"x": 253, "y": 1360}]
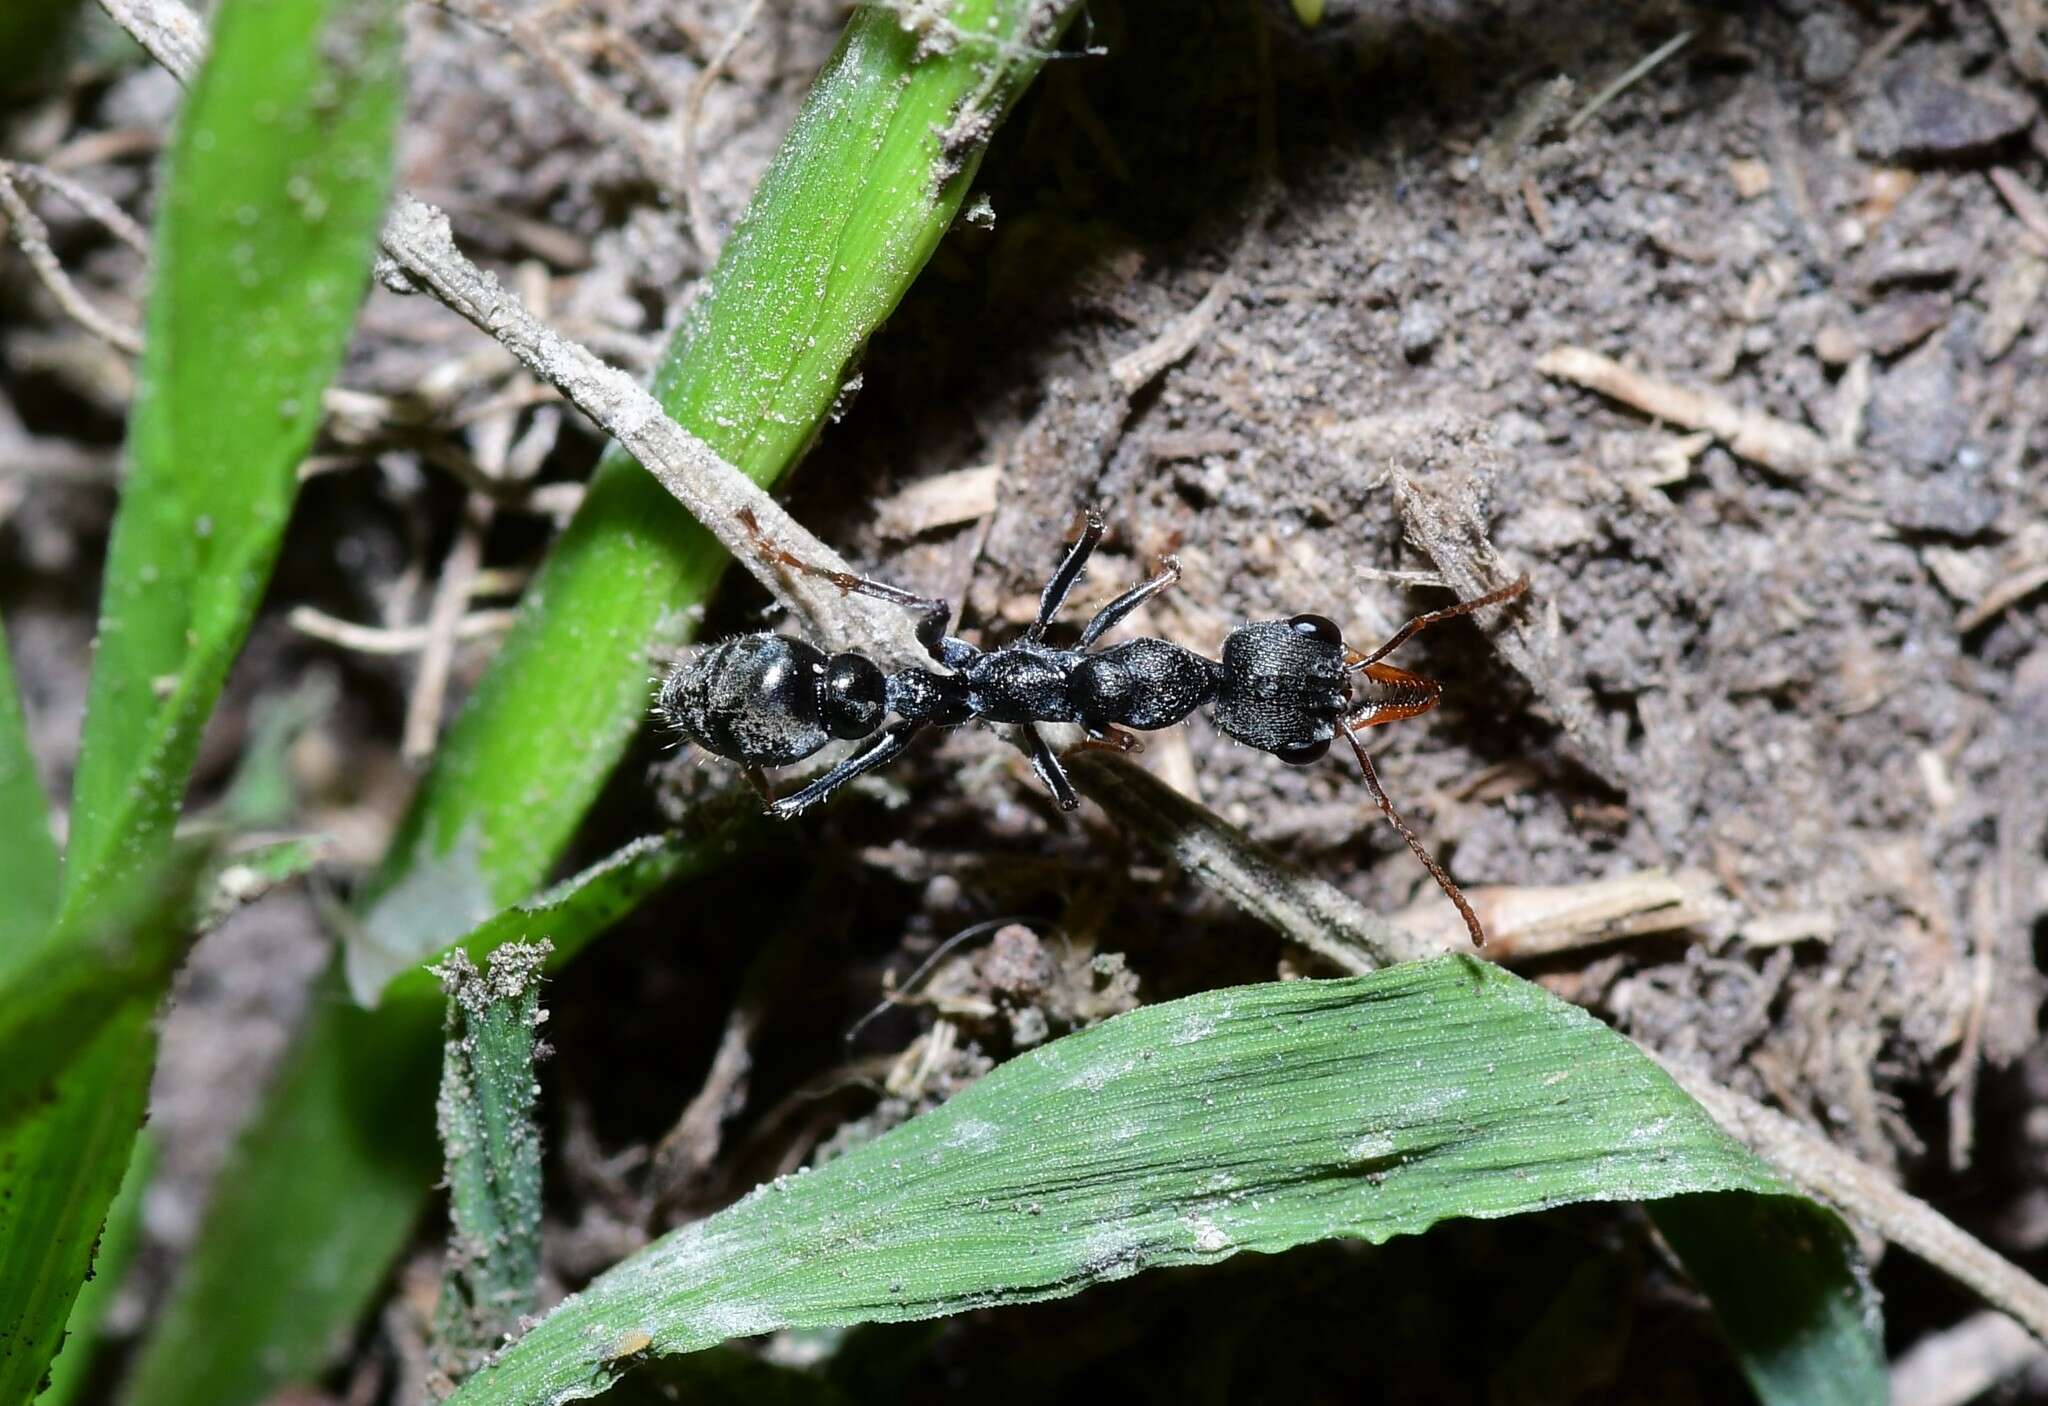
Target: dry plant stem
[
  {"x": 1636, "y": 73},
  {"x": 1959, "y": 1364},
  {"x": 1300, "y": 907},
  {"x": 85, "y": 199},
  {"x": 444, "y": 621},
  {"x": 1527, "y": 922},
  {"x": 1907, "y": 1221},
  {"x": 691, "y": 116},
  {"x": 2025, "y": 23},
  {"x": 1778, "y": 445},
  {"x": 610, "y": 119},
  {"x": 419, "y": 241},
  {"x": 2026, "y": 206},
  {"x": 688, "y": 1150},
  {"x": 1135, "y": 370},
  {"x": 2009, "y": 592},
  {"x": 32, "y": 237},
  {"x": 718, "y": 495},
  {"x": 371, "y": 639}
]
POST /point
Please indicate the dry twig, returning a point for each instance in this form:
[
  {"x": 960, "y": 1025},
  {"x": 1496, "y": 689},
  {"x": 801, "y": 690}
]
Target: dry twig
[
  {"x": 32, "y": 237},
  {"x": 692, "y": 116},
  {"x": 1135, "y": 370},
  {"x": 610, "y": 119},
  {"x": 1635, "y": 74},
  {"x": 1761, "y": 438},
  {"x": 373, "y": 639},
  {"x": 1526, "y": 922},
  {"x": 2026, "y": 206},
  {"x": 1956, "y": 1365}
]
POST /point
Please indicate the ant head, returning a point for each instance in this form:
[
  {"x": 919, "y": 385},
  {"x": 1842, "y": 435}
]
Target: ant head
[{"x": 1282, "y": 686}]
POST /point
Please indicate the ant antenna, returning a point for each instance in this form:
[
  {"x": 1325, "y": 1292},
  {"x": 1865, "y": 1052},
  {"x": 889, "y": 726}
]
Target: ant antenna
[
  {"x": 1436, "y": 870},
  {"x": 1450, "y": 612},
  {"x": 965, "y": 935}
]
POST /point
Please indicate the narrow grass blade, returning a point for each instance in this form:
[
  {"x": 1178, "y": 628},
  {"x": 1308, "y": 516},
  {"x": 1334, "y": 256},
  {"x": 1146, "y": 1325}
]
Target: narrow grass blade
[
  {"x": 865, "y": 184},
  {"x": 580, "y": 908},
  {"x": 492, "y": 1150},
  {"x": 70, "y": 1374},
  {"x": 1803, "y": 1332},
  {"x": 324, "y": 1187},
  {"x": 1256, "y": 1119},
  {"x": 277, "y": 177},
  {"x": 28, "y": 853},
  {"x": 106, "y": 957},
  {"x": 62, "y": 1165}
]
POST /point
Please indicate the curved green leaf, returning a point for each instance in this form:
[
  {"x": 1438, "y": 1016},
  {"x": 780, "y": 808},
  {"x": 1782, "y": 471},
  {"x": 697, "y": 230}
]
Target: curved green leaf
[{"x": 1253, "y": 1119}]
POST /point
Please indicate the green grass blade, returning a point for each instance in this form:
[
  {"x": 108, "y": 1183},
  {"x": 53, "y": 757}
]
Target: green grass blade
[
  {"x": 1254, "y": 1119},
  {"x": 852, "y": 207},
  {"x": 278, "y": 174},
  {"x": 70, "y": 1373},
  {"x": 324, "y": 1187},
  {"x": 1804, "y": 1333},
  {"x": 117, "y": 952},
  {"x": 62, "y": 1165},
  {"x": 492, "y": 1149},
  {"x": 28, "y": 852},
  {"x": 580, "y": 908}
]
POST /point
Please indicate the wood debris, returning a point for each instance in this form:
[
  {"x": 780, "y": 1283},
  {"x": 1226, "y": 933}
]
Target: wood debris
[
  {"x": 1525, "y": 921},
  {"x": 943, "y": 500},
  {"x": 1762, "y": 438}
]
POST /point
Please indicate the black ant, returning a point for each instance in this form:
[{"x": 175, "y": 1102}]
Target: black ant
[{"x": 1283, "y": 686}]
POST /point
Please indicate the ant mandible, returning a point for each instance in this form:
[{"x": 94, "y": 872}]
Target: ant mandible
[{"x": 1289, "y": 687}]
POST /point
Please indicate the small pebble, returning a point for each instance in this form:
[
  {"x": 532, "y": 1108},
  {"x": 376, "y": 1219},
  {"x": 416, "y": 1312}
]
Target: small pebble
[
  {"x": 1422, "y": 326},
  {"x": 1921, "y": 116},
  {"x": 1828, "y": 47}
]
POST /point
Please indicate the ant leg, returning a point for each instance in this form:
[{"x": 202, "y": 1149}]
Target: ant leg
[
  {"x": 1449, "y": 612},
  {"x": 1049, "y": 769},
  {"x": 1436, "y": 870},
  {"x": 758, "y": 779},
  {"x": 934, "y": 613},
  {"x": 1106, "y": 618},
  {"x": 1055, "y": 594},
  {"x": 1404, "y": 695},
  {"x": 885, "y": 748}
]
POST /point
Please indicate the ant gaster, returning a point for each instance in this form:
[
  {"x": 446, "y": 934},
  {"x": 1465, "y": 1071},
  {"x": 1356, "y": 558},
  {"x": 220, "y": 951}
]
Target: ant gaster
[{"x": 1289, "y": 687}]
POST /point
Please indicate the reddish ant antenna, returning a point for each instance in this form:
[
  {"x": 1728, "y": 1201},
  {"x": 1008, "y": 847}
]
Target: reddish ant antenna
[{"x": 1402, "y": 694}]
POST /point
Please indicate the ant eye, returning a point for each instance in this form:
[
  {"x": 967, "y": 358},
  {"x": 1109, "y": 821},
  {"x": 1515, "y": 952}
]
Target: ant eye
[
  {"x": 1318, "y": 627},
  {"x": 1313, "y": 752}
]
